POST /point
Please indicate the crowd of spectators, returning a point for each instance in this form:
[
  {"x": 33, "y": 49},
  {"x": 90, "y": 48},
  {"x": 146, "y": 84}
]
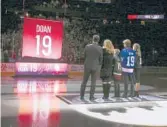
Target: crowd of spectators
[
  {"x": 79, "y": 31},
  {"x": 11, "y": 46},
  {"x": 141, "y": 6},
  {"x": 54, "y": 4}
]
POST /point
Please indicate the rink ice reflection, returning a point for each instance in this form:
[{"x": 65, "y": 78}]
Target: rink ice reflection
[
  {"x": 40, "y": 86},
  {"x": 38, "y": 110},
  {"x": 37, "y": 105},
  {"x": 37, "y": 102}
]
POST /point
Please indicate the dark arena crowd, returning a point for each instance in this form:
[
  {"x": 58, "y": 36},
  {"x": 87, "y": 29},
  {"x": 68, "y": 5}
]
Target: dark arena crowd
[{"x": 84, "y": 18}]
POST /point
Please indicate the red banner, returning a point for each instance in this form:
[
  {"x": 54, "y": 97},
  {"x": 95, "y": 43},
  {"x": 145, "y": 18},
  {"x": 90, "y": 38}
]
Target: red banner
[{"x": 42, "y": 38}]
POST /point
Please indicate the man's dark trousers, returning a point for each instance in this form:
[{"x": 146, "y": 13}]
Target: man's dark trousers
[{"x": 87, "y": 74}]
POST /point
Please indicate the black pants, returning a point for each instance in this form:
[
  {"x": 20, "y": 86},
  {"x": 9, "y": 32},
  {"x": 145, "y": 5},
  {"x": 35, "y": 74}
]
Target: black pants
[
  {"x": 116, "y": 88},
  {"x": 106, "y": 88},
  {"x": 87, "y": 73},
  {"x": 126, "y": 79},
  {"x": 137, "y": 75}
]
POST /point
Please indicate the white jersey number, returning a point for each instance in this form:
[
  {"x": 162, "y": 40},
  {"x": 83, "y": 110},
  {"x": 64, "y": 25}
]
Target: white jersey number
[
  {"x": 130, "y": 61},
  {"x": 46, "y": 44}
]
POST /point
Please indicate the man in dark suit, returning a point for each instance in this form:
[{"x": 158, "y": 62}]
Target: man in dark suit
[{"x": 93, "y": 58}]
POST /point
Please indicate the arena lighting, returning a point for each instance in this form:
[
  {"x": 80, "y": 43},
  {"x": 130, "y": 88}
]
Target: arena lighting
[{"x": 133, "y": 115}]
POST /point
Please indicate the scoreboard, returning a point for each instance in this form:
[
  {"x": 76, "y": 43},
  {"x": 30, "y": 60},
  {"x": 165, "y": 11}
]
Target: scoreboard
[
  {"x": 42, "y": 38},
  {"x": 152, "y": 17}
]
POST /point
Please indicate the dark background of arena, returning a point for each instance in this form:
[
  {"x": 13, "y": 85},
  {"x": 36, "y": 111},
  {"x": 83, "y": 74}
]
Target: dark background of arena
[{"x": 82, "y": 19}]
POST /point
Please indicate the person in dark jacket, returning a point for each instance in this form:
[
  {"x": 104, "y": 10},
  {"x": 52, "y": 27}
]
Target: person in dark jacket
[
  {"x": 93, "y": 55},
  {"x": 138, "y": 65},
  {"x": 117, "y": 72},
  {"x": 107, "y": 67}
]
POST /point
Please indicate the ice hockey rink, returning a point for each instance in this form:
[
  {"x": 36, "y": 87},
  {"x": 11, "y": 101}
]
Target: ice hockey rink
[{"x": 43, "y": 106}]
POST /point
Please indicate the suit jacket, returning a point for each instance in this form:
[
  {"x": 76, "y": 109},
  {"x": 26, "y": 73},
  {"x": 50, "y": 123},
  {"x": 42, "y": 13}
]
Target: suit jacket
[{"x": 93, "y": 56}]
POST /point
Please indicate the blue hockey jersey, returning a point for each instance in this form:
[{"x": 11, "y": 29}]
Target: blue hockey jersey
[{"x": 128, "y": 57}]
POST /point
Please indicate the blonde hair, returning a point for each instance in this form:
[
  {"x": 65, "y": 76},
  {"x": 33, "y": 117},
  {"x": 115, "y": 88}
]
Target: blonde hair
[
  {"x": 137, "y": 48},
  {"x": 108, "y": 46},
  {"x": 127, "y": 43}
]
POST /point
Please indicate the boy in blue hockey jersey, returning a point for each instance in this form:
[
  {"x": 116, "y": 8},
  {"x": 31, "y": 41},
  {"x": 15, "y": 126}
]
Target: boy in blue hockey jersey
[{"x": 128, "y": 56}]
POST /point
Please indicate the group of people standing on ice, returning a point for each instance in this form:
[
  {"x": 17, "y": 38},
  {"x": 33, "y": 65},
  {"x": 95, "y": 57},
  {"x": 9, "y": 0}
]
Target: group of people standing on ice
[{"x": 116, "y": 66}]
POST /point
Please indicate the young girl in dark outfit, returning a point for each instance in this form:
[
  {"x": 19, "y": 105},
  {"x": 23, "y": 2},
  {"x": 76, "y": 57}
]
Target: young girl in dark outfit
[
  {"x": 117, "y": 72},
  {"x": 138, "y": 65}
]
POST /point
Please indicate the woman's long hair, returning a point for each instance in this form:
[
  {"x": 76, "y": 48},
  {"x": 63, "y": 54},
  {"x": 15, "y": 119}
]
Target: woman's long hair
[
  {"x": 108, "y": 46},
  {"x": 137, "y": 48}
]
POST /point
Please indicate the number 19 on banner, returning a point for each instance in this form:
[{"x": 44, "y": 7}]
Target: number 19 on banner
[{"x": 46, "y": 45}]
